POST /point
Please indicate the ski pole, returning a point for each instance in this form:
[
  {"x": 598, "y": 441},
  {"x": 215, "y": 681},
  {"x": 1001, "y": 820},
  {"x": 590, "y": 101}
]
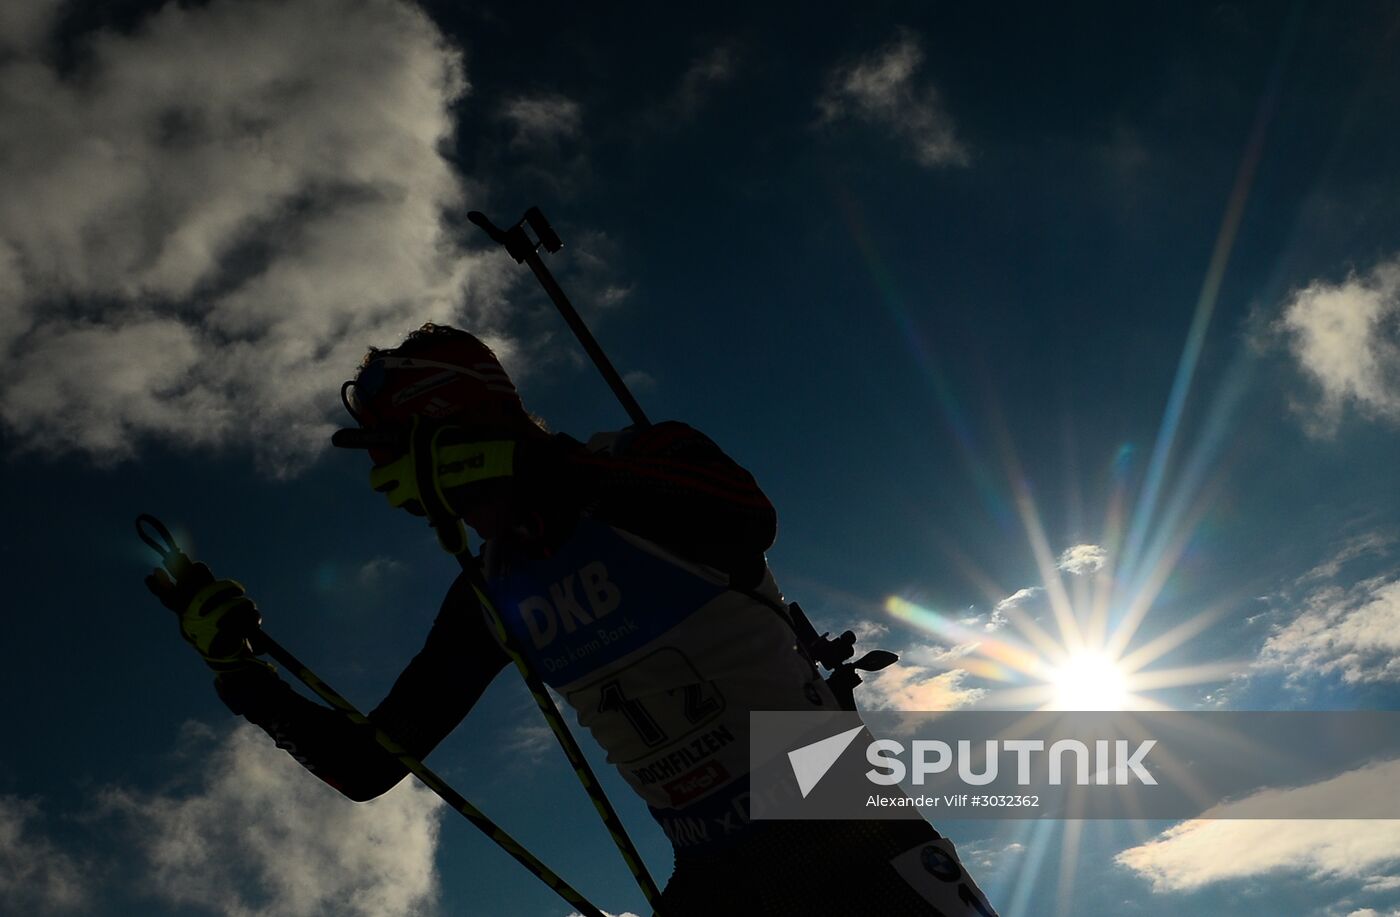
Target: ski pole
[
  {"x": 173, "y": 558},
  {"x": 452, "y": 536},
  {"x": 518, "y": 244},
  {"x": 522, "y": 249}
]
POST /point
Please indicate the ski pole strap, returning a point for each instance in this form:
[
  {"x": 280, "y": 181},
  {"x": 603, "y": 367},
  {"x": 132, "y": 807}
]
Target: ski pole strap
[
  {"x": 159, "y": 539},
  {"x": 452, "y": 537},
  {"x": 582, "y": 770}
]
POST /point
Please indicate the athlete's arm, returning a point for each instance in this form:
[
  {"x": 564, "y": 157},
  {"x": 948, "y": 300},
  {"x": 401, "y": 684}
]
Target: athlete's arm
[
  {"x": 429, "y": 699},
  {"x": 671, "y": 483}
]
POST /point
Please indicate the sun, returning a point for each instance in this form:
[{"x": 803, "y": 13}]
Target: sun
[{"x": 1088, "y": 681}]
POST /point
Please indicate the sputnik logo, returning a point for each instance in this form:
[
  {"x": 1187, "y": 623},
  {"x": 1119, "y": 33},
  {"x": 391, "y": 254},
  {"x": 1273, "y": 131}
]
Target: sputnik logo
[{"x": 811, "y": 762}]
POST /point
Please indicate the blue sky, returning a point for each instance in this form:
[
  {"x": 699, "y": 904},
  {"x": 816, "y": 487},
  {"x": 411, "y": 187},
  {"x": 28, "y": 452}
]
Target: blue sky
[{"x": 1013, "y": 314}]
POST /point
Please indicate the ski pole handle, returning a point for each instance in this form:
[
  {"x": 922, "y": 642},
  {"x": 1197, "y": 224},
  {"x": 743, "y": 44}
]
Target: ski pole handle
[
  {"x": 520, "y": 247},
  {"x": 159, "y": 539}
]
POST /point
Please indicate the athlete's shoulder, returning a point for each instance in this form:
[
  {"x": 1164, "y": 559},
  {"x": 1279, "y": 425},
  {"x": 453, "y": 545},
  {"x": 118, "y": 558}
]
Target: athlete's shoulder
[
  {"x": 665, "y": 438},
  {"x": 461, "y": 598}
]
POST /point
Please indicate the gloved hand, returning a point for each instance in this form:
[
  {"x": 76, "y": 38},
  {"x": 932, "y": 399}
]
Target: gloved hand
[
  {"x": 216, "y": 617},
  {"x": 447, "y": 470}
]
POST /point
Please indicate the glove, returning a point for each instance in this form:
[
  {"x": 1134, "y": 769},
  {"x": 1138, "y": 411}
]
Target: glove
[
  {"x": 445, "y": 472},
  {"x": 216, "y": 617}
]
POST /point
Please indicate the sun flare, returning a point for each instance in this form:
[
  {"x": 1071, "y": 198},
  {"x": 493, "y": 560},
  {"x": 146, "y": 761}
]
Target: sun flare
[{"x": 1089, "y": 681}]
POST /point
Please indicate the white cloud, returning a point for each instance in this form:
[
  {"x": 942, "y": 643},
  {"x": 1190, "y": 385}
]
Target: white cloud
[
  {"x": 1082, "y": 559},
  {"x": 1346, "y": 338},
  {"x": 1196, "y": 854},
  {"x": 529, "y": 739},
  {"x": 35, "y": 876},
  {"x": 881, "y": 89},
  {"x": 261, "y": 837},
  {"x": 1368, "y": 544},
  {"x": 991, "y": 856},
  {"x": 377, "y": 569},
  {"x": 915, "y": 687},
  {"x": 200, "y": 233},
  {"x": 1018, "y": 598},
  {"x": 24, "y": 25},
  {"x": 1227, "y": 844},
  {"x": 713, "y": 68},
  {"x": 1336, "y": 620},
  {"x": 1352, "y": 632},
  {"x": 1015, "y": 605},
  {"x": 867, "y": 631},
  {"x": 995, "y": 621},
  {"x": 939, "y": 656},
  {"x": 639, "y": 380},
  {"x": 542, "y": 121},
  {"x": 612, "y": 295},
  {"x": 594, "y": 264}
]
